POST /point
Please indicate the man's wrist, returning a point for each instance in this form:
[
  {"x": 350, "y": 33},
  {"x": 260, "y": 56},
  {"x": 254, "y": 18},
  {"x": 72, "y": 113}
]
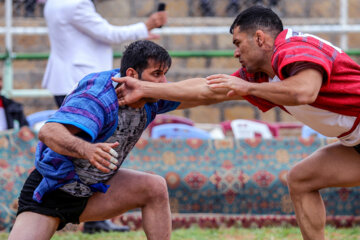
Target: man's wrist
[
  {"x": 146, "y": 90},
  {"x": 81, "y": 148},
  {"x": 149, "y": 25},
  {"x": 251, "y": 89}
]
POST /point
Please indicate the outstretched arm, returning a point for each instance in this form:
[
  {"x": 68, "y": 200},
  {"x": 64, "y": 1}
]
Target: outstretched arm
[
  {"x": 302, "y": 88},
  {"x": 61, "y": 139},
  {"x": 191, "y": 92}
]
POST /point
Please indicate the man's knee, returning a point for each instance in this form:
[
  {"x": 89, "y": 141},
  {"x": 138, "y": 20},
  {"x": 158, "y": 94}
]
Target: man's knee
[
  {"x": 295, "y": 180},
  {"x": 156, "y": 188}
]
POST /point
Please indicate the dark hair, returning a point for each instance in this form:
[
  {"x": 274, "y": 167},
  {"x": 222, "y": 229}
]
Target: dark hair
[
  {"x": 138, "y": 54},
  {"x": 258, "y": 17}
]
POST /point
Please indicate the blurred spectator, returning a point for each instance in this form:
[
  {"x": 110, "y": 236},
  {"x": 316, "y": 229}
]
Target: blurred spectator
[
  {"x": 273, "y": 3},
  {"x": 206, "y": 8},
  {"x": 30, "y": 8},
  {"x": 17, "y": 6},
  {"x": 12, "y": 116},
  {"x": 233, "y": 8},
  {"x": 41, "y": 4},
  {"x": 81, "y": 41}
]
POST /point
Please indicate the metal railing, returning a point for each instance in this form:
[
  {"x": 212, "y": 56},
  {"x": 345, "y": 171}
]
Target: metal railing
[{"x": 342, "y": 28}]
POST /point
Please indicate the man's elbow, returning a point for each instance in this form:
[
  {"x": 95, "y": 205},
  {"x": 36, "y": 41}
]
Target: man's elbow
[
  {"x": 305, "y": 98},
  {"x": 43, "y": 133}
]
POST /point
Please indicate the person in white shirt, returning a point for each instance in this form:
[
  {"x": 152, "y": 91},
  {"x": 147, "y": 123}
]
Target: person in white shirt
[{"x": 80, "y": 41}]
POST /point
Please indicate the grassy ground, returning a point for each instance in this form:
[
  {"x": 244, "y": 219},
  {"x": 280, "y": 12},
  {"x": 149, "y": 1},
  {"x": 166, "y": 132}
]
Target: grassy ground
[{"x": 214, "y": 234}]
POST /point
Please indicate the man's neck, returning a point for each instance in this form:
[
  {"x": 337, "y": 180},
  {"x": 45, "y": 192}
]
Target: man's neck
[
  {"x": 269, "y": 71},
  {"x": 267, "y": 67}
]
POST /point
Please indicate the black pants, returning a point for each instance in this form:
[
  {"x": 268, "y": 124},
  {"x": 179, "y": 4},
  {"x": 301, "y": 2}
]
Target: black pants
[{"x": 357, "y": 148}]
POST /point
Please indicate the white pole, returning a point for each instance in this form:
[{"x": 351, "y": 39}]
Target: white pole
[
  {"x": 8, "y": 24},
  {"x": 323, "y": 28},
  {"x": 8, "y": 72},
  {"x": 343, "y": 22}
]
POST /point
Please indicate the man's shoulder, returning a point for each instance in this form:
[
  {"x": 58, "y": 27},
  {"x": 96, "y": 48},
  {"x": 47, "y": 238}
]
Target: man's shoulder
[
  {"x": 97, "y": 87},
  {"x": 74, "y": 2},
  {"x": 99, "y": 78},
  {"x": 67, "y": 3},
  {"x": 289, "y": 38},
  {"x": 62, "y": 12}
]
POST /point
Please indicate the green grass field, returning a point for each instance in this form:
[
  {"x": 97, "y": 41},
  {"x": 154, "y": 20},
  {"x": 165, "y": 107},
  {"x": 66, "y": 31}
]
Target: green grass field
[{"x": 214, "y": 234}]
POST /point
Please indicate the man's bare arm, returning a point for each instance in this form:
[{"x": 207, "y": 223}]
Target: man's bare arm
[
  {"x": 61, "y": 139},
  {"x": 191, "y": 92},
  {"x": 302, "y": 88}
]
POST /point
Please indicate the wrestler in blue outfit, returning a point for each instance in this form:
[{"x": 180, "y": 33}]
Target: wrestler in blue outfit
[{"x": 91, "y": 107}]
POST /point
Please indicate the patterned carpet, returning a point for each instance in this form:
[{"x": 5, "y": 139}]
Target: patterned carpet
[{"x": 211, "y": 182}]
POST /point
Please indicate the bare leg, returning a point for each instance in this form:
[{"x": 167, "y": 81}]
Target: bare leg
[
  {"x": 33, "y": 226},
  {"x": 131, "y": 189},
  {"x": 331, "y": 166}
]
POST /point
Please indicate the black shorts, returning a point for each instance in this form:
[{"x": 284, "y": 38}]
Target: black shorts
[
  {"x": 56, "y": 203},
  {"x": 357, "y": 148}
]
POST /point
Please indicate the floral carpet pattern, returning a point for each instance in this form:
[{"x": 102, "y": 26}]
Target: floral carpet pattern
[
  {"x": 234, "y": 176},
  {"x": 238, "y": 179}
]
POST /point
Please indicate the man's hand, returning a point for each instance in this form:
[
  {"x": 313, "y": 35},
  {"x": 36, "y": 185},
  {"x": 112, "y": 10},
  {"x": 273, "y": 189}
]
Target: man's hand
[
  {"x": 299, "y": 89},
  {"x": 102, "y": 155},
  {"x": 129, "y": 91},
  {"x": 156, "y": 20},
  {"x": 235, "y": 85},
  {"x": 63, "y": 140},
  {"x": 153, "y": 36}
]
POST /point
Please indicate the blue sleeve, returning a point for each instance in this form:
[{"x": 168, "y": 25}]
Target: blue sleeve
[
  {"x": 161, "y": 106},
  {"x": 166, "y": 106},
  {"x": 83, "y": 111}
]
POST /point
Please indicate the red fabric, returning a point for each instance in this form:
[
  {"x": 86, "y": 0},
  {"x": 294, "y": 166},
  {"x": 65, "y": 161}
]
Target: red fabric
[
  {"x": 1, "y": 103},
  {"x": 340, "y": 92}
]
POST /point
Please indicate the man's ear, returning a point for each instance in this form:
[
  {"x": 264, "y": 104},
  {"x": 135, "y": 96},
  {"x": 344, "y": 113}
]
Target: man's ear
[
  {"x": 130, "y": 72},
  {"x": 260, "y": 38}
]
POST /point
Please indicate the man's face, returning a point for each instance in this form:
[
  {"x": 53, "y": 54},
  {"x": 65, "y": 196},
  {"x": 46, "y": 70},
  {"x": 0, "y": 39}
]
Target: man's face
[
  {"x": 247, "y": 51},
  {"x": 155, "y": 72}
]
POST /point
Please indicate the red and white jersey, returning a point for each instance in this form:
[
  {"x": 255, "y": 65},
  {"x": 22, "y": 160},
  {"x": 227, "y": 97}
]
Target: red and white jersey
[
  {"x": 336, "y": 111},
  {"x": 3, "y": 123}
]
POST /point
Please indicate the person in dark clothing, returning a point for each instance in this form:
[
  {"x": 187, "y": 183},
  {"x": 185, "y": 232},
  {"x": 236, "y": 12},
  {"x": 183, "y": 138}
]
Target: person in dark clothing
[
  {"x": 12, "y": 116},
  {"x": 30, "y": 6},
  {"x": 15, "y": 117}
]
